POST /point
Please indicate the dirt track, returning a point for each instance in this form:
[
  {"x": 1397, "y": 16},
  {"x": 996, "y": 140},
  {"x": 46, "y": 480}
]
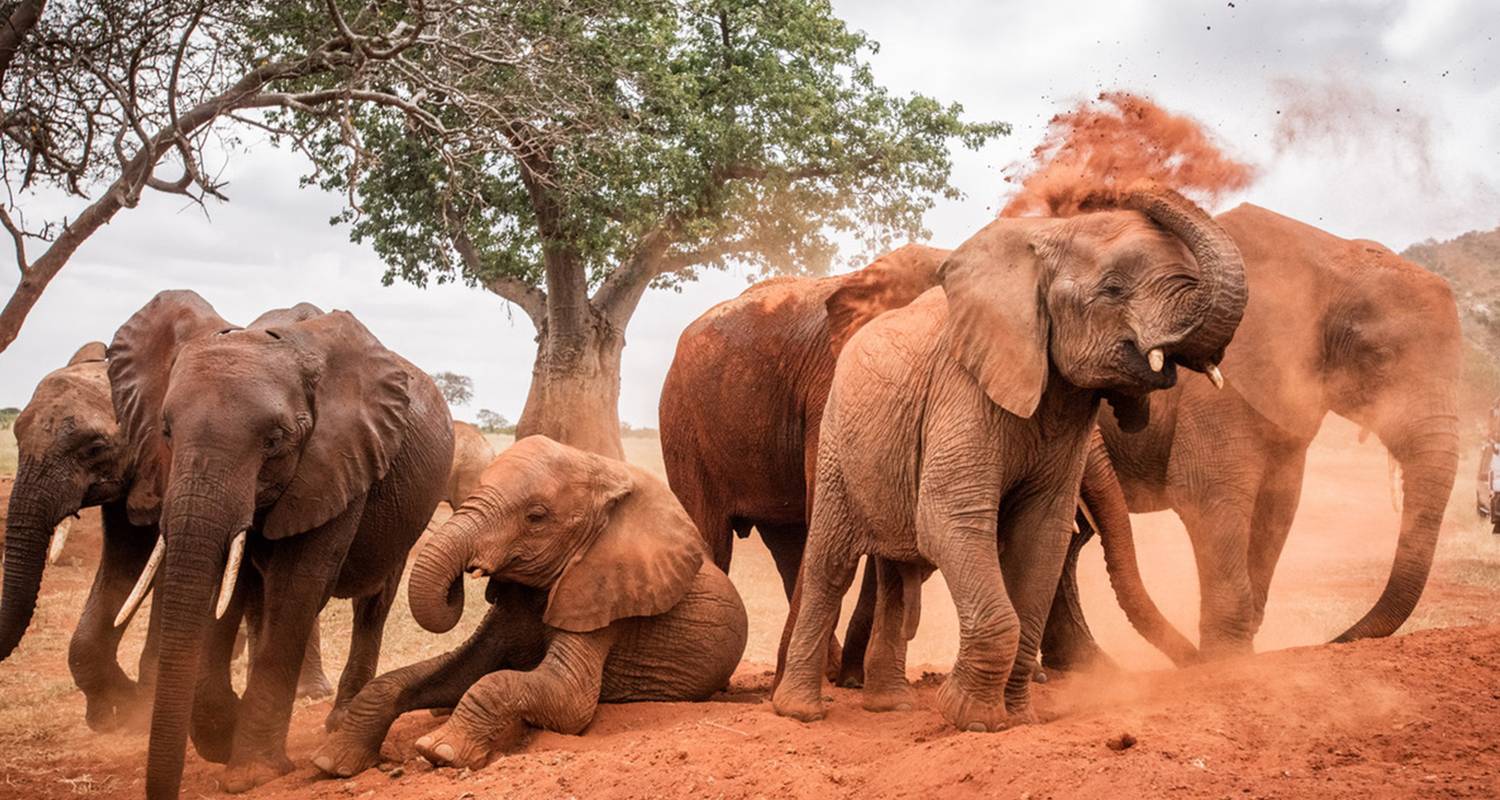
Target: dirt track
[{"x": 1417, "y": 715}]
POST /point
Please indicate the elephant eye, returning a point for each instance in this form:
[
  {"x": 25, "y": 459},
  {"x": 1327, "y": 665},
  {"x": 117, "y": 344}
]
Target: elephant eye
[
  {"x": 94, "y": 448},
  {"x": 273, "y": 440},
  {"x": 166, "y": 429},
  {"x": 1113, "y": 288},
  {"x": 536, "y": 513}
]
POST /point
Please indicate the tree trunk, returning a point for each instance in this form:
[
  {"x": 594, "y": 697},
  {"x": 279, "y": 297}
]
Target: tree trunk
[{"x": 575, "y": 386}]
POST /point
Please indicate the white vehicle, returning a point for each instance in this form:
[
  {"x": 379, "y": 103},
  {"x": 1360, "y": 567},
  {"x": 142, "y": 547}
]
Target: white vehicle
[{"x": 1488, "y": 489}]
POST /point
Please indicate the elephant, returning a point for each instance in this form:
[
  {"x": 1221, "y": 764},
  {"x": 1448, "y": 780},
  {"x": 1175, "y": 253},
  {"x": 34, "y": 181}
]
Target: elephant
[
  {"x": 471, "y": 454},
  {"x": 956, "y": 431},
  {"x": 740, "y": 412},
  {"x": 296, "y": 461},
  {"x": 72, "y": 457},
  {"x": 600, "y": 591},
  {"x": 1332, "y": 325}
]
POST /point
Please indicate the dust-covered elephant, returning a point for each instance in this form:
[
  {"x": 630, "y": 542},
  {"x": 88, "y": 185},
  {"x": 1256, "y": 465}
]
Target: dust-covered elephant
[
  {"x": 956, "y": 431},
  {"x": 471, "y": 454},
  {"x": 601, "y": 591},
  {"x": 1332, "y": 325},
  {"x": 284, "y": 464}
]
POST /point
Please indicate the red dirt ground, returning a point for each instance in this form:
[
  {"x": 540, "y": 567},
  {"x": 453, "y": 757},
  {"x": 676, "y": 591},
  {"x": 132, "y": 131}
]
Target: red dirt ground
[{"x": 1415, "y": 715}]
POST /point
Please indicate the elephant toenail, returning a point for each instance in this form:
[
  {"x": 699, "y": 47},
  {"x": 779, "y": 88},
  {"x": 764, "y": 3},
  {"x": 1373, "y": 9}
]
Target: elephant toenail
[
  {"x": 903, "y": 706},
  {"x": 324, "y": 763},
  {"x": 445, "y": 752},
  {"x": 978, "y": 727}
]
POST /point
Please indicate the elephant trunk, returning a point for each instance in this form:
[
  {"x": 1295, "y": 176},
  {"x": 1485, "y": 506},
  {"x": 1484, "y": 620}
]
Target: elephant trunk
[
  {"x": 1427, "y": 451},
  {"x": 197, "y": 523},
  {"x": 1220, "y": 301},
  {"x": 1105, "y": 500},
  {"x": 436, "y": 589},
  {"x": 36, "y": 504}
]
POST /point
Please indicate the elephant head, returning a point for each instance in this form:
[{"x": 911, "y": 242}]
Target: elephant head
[
  {"x": 1372, "y": 337},
  {"x": 277, "y": 428},
  {"x": 1111, "y": 300},
  {"x": 605, "y": 539},
  {"x": 71, "y": 455}
]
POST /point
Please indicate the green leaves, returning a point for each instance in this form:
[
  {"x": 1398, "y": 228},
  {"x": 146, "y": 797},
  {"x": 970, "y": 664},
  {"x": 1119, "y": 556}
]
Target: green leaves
[{"x": 655, "y": 137}]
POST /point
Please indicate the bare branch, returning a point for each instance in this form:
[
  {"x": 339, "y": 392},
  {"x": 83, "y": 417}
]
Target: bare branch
[{"x": 19, "y": 237}]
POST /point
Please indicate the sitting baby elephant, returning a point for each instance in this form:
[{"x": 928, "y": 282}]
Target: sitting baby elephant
[{"x": 600, "y": 592}]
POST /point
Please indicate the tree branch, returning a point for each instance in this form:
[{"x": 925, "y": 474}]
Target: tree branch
[
  {"x": 528, "y": 298},
  {"x": 20, "y": 22}
]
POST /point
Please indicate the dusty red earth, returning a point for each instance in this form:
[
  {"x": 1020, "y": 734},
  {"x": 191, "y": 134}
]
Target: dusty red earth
[{"x": 1414, "y": 715}]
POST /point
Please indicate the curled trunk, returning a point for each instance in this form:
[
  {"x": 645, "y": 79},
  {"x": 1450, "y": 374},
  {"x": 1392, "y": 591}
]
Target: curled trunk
[
  {"x": 436, "y": 589},
  {"x": 1428, "y": 454},
  {"x": 36, "y": 504},
  {"x": 1102, "y": 495},
  {"x": 1221, "y": 293}
]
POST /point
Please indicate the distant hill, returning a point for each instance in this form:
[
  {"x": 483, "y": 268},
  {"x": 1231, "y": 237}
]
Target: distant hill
[{"x": 1471, "y": 262}]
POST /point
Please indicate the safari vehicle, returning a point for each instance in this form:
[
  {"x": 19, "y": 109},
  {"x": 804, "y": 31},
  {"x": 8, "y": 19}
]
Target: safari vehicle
[{"x": 1487, "y": 491}]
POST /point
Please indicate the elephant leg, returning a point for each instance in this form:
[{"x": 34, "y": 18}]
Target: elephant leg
[
  {"x": 1037, "y": 539},
  {"x": 298, "y": 579},
  {"x": 786, "y": 543},
  {"x": 857, "y": 635},
  {"x": 560, "y": 695},
  {"x": 1067, "y": 642},
  {"x": 886, "y": 688},
  {"x": 111, "y": 698},
  {"x": 1220, "y": 533},
  {"x": 215, "y": 705},
  {"x": 311, "y": 682},
  {"x": 438, "y": 682},
  {"x": 972, "y": 698},
  {"x": 829, "y": 562},
  {"x": 370, "y": 614},
  {"x": 1275, "y": 508}
]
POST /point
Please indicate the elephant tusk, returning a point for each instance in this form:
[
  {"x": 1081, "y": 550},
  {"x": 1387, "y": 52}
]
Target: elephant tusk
[
  {"x": 1158, "y": 359},
  {"x": 59, "y": 538},
  {"x": 143, "y": 583},
  {"x": 1215, "y": 375},
  {"x": 231, "y": 573}
]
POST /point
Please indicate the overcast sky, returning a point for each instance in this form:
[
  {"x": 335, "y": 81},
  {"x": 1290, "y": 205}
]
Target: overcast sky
[{"x": 1409, "y": 149}]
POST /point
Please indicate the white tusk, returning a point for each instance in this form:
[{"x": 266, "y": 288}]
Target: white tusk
[
  {"x": 231, "y": 573},
  {"x": 1215, "y": 375},
  {"x": 1158, "y": 359},
  {"x": 143, "y": 583},
  {"x": 59, "y": 538}
]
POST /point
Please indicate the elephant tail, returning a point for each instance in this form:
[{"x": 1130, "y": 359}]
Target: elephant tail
[{"x": 1103, "y": 506}]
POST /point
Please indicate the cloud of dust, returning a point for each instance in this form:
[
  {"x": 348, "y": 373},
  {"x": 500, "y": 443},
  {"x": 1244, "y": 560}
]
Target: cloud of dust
[
  {"x": 1106, "y": 144},
  {"x": 1339, "y": 117}
]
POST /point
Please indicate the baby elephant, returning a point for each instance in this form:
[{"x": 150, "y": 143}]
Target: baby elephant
[{"x": 600, "y": 592}]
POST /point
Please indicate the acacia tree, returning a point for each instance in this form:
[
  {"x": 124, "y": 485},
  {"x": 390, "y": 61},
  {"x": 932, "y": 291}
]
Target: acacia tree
[
  {"x": 700, "y": 133},
  {"x": 95, "y": 97}
]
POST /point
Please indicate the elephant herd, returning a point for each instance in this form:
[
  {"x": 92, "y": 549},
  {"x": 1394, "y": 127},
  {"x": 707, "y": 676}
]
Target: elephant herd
[{"x": 934, "y": 411}]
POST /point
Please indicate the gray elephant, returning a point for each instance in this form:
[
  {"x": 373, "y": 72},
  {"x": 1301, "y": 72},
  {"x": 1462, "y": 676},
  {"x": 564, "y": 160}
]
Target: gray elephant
[
  {"x": 956, "y": 429},
  {"x": 285, "y": 464},
  {"x": 602, "y": 591},
  {"x": 72, "y": 456}
]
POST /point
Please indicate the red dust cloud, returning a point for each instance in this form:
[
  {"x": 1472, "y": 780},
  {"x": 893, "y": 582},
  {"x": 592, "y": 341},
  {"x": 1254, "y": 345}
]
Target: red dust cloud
[{"x": 1105, "y": 145}]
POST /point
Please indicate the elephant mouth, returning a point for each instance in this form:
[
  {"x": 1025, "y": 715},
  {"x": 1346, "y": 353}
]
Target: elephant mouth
[{"x": 1141, "y": 374}]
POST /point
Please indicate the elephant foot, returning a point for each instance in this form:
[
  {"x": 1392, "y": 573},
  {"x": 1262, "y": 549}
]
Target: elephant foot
[
  {"x": 890, "y": 698},
  {"x": 798, "y": 705},
  {"x": 851, "y": 676},
  {"x": 214, "y": 719},
  {"x": 449, "y": 746},
  {"x": 1219, "y": 649},
  {"x": 967, "y": 712},
  {"x": 250, "y": 774},
  {"x": 117, "y": 708},
  {"x": 344, "y": 757},
  {"x": 313, "y": 686}
]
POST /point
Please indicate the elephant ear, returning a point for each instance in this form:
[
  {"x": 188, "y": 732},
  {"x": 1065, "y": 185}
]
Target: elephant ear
[
  {"x": 641, "y": 563},
  {"x": 1275, "y": 360},
  {"x": 93, "y": 351},
  {"x": 359, "y": 401},
  {"x": 997, "y": 324},
  {"x": 140, "y": 365},
  {"x": 891, "y": 281}
]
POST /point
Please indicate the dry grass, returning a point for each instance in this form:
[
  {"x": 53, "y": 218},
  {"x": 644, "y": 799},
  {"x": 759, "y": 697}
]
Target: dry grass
[{"x": 7, "y": 452}]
